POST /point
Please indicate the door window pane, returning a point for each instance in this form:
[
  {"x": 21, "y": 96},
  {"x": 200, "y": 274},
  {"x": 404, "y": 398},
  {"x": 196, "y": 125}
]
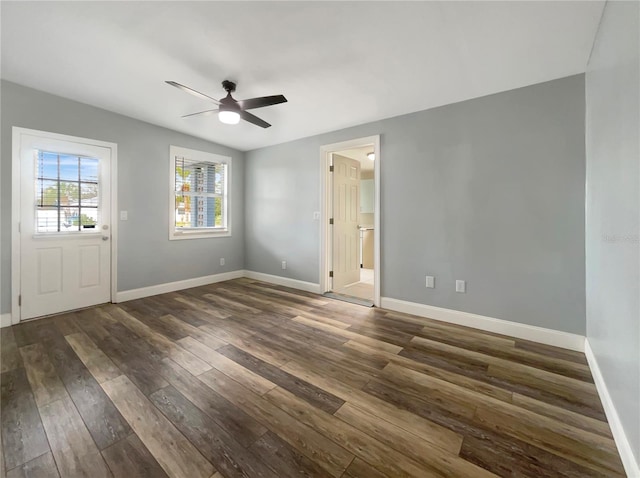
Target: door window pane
[
  {"x": 89, "y": 170},
  {"x": 69, "y": 166},
  {"x": 67, "y": 192},
  {"x": 46, "y": 193}
]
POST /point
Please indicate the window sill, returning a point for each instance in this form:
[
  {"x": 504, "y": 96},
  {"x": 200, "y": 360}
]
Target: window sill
[{"x": 178, "y": 236}]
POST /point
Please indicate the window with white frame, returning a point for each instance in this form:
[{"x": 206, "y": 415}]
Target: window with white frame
[{"x": 199, "y": 202}]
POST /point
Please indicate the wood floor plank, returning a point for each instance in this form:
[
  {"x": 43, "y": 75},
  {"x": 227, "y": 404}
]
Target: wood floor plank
[
  {"x": 9, "y": 355},
  {"x": 386, "y": 432},
  {"x": 240, "y": 374},
  {"x": 101, "y": 367},
  {"x": 258, "y": 349},
  {"x": 565, "y": 416},
  {"x": 43, "y": 466},
  {"x": 285, "y": 460},
  {"x": 427, "y": 430},
  {"x": 66, "y": 323},
  {"x": 156, "y": 339},
  {"x": 312, "y": 394},
  {"x": 220, "y": 448},
  {"x": 236, "y": 423},
  {"x": 140, "y": 369},
  {"x": 93, "y": 324},
  {"x": 45, "y": 383},
  {"x": 75, "y": 452},
  {"x": 374, "y": 343},
  {"x": 175, "y": 454},
  {"x": 333, "y": 458},
  {"x": 508, "y": 457},
  {"x": 550, "y": 351},
  {"x": 475, "y": 347},
  {"x": 129, "y": 458},
  {"x": 3, "y": 469},
  {"x": 196, "y": 333},
  {"x": 570, "y": 389},
  {"x": 383, "y": 334},
  {"x": 361, "y": 469},
  {"x": 103, "y": 421},
  {"x": 337, "y": 366},
  {"x": 582, "y": 403},
  {"x": 587, "y": 449},
  {"x": 458, "y": 400},
  {"x": 434, "y": 461},
  {"x": 201, "y": 305},
  {"x": 311, "y": 301},
  {"x": 23, "y": 437},
  {"x": 230, "y": 305},
  {"x": 514, "y": 450},
  {"x": 435, "y": 371}
]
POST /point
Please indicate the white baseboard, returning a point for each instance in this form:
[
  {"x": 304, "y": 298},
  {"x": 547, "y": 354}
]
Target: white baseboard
[
  {"x": 174, "y": 286},
  {"x": 5, "y": 320},
  {"x": 284, "y": 281},
  {"x": 489, "y": 324},
  {"x": 631, "y": 466}
]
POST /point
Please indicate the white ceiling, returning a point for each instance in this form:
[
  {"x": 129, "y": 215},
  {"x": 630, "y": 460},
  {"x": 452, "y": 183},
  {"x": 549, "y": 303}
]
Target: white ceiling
[{"x": 339, "y": 63}]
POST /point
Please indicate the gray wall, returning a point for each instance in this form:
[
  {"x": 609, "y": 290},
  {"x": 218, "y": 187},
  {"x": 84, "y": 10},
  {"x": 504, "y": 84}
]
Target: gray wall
[
  {"x": 145, "y": 254},
  {"x": 613, "y": 210},
  {"x": 489, "y": 190}
]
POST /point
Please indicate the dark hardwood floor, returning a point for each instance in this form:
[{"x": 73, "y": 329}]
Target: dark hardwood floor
[{"x": 247, "y": 379}]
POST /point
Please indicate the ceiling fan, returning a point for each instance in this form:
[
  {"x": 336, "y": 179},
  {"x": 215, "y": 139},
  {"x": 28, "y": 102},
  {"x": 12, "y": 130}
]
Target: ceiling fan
[{"x": 231, "y": 110}]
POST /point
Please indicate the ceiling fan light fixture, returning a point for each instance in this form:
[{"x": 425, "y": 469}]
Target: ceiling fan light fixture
[
  {"x": 229, "y": 117},
  {"x": 371, "y": 155}
]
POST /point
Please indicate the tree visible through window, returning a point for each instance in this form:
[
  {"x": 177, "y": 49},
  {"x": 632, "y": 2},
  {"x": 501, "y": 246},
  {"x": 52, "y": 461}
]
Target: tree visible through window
[{"x": 199, "y": 197}]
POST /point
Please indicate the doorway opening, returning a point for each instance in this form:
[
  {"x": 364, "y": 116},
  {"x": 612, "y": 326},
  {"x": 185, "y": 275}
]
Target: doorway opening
[{"x": 350, "y": 245}]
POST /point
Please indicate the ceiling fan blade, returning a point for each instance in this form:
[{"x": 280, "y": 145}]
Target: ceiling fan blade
[
  {"x": 261, "y": 102},
  {"x": 205, "y": 113},
  {"x": 192, "y": 91},
  {"x": 245, "y": 115}
]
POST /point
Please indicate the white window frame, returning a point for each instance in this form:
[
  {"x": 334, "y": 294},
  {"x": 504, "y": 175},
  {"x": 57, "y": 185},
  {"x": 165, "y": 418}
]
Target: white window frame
[{"x": 204, "y": 232}]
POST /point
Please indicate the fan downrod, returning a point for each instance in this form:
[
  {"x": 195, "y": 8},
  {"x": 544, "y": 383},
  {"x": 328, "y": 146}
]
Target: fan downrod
[{"x": 229, "y": 86}]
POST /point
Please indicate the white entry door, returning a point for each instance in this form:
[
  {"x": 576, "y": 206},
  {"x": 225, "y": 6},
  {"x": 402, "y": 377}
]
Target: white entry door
[
  {"x": 65, "y": 236},
  {"x": 346, "y": 208}
]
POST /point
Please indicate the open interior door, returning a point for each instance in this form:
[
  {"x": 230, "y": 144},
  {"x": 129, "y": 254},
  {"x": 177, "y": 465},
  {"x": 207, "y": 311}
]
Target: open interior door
[{"x": 346, "y": 209}]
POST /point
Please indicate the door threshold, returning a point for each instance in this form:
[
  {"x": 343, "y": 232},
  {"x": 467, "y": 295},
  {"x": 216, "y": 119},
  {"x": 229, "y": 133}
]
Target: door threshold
[{"x": 349, "y": 298}]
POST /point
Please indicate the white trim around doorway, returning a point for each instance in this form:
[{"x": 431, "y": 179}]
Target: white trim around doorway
[
  {"x": 16, "y": 187},
  {"x": 325, "y": 204}
]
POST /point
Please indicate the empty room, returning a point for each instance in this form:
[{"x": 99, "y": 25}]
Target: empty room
[{"x": 320, "y": 239}]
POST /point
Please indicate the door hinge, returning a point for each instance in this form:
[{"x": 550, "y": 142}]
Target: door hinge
[
  {"x": 331, "y": 168},
  {"x": 20, "y": 300},
  {"x": 331, "y": 220},
  {"x": 330, "y": 273}
]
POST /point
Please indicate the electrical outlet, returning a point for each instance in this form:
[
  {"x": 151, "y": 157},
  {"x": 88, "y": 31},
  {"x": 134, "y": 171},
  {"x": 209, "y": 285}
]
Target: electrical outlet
[
  {"x": 430, "y": 282},
  {"x": 284, "y": 265},
  {"x": 222, "y": 261},
  {"x": 316, "y": 215},
  {"x": 461, "y": 286}
]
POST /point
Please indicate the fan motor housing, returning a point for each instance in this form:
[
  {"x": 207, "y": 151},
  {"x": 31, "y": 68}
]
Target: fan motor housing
[{"x": 229, "y": 86}]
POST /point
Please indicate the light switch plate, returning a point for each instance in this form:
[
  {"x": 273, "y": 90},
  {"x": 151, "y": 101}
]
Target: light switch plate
[
  {"x": 124, "y": 215},
  {"x": 461, "y": 286},
  {"x": 430, "y": 282}
]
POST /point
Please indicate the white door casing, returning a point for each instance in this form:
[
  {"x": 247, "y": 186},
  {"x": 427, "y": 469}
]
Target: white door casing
[
  {"x": 346, "y": 215},
  {"x": 326, "y": 199},
  {"x": 62, "y": 264}
]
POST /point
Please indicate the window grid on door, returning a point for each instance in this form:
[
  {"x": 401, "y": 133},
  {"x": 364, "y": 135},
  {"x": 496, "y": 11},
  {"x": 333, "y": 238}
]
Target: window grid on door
[{"x": 67, "y": 192}]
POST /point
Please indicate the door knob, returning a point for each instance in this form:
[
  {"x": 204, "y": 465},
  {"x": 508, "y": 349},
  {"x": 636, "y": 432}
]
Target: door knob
[{"x": 105, "y": 238}]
